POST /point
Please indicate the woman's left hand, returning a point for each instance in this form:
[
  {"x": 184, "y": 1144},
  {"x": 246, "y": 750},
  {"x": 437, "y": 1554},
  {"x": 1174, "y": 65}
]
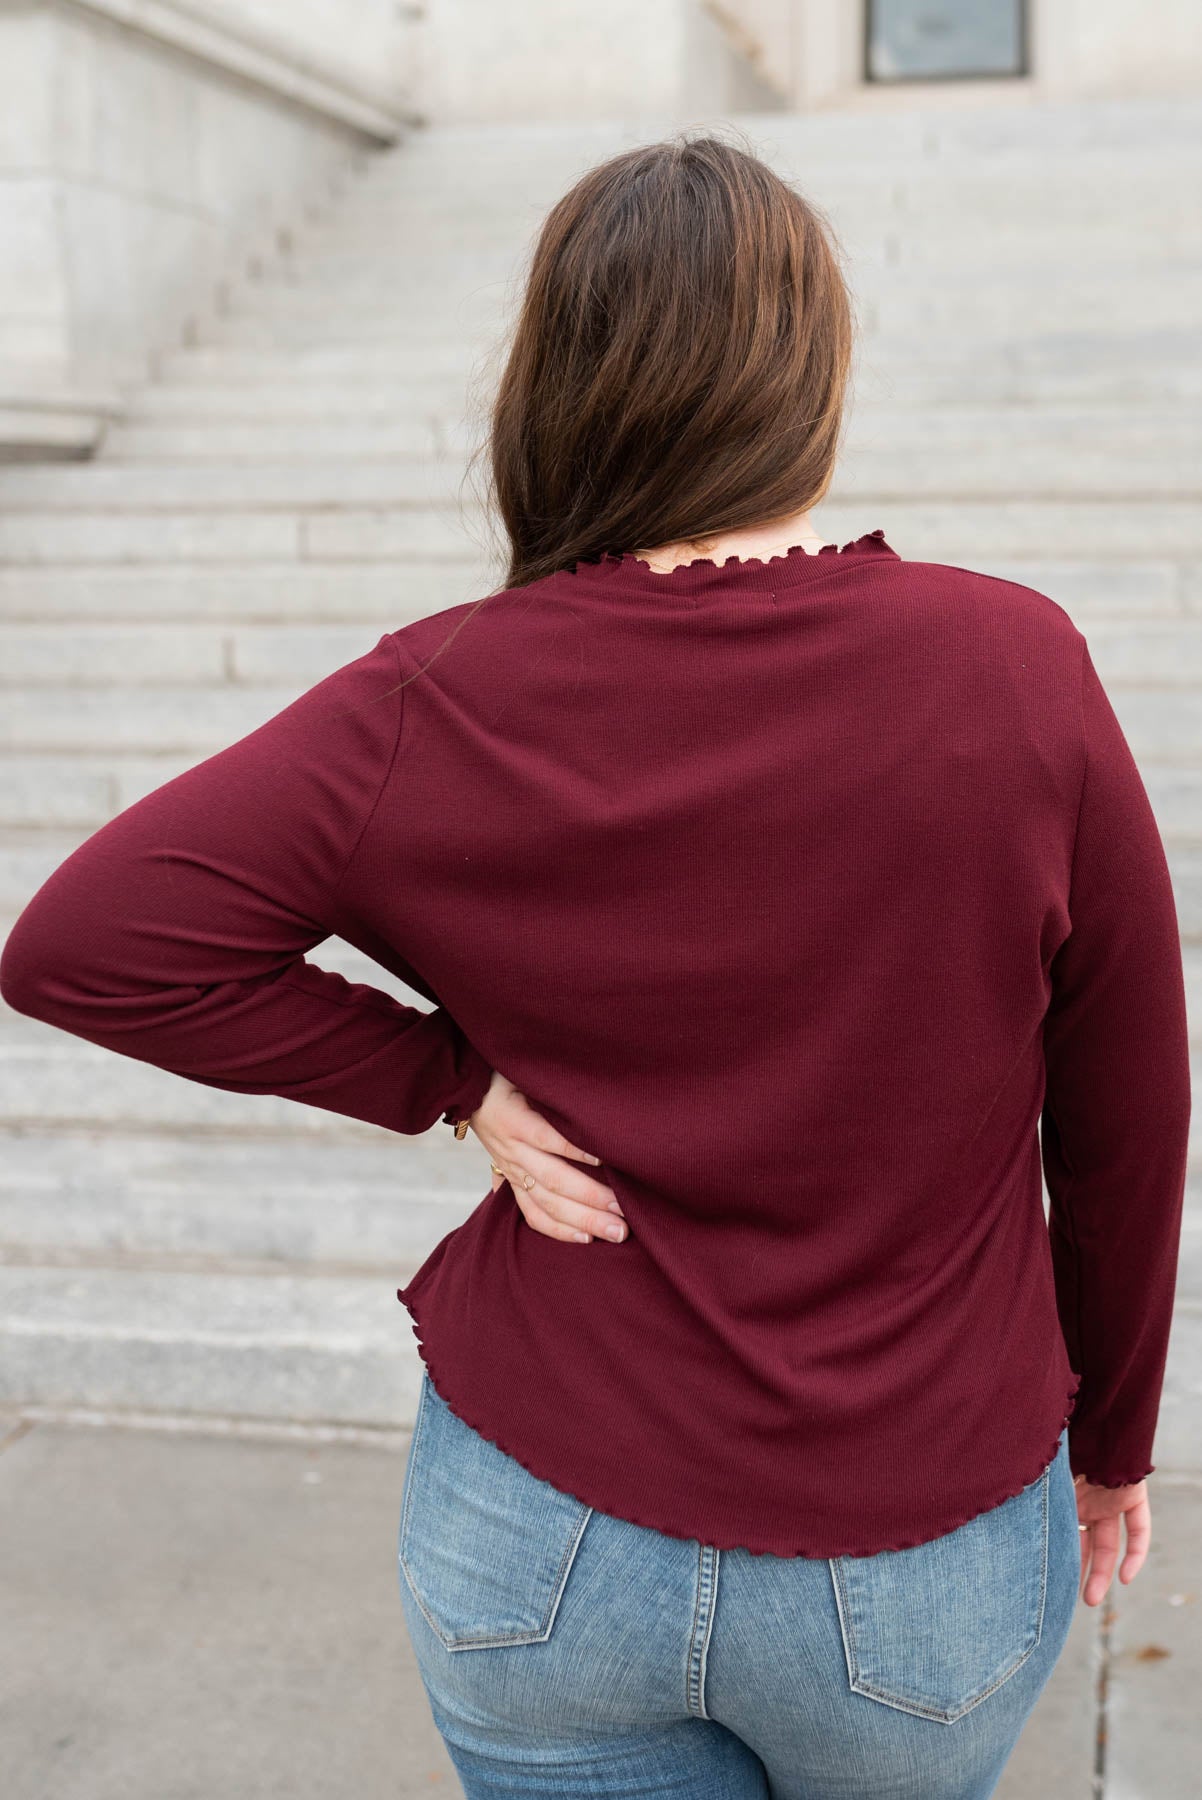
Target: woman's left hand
[
  {"x": 554, "y": 1196},
  {"x": 1101, "y": 1509}
]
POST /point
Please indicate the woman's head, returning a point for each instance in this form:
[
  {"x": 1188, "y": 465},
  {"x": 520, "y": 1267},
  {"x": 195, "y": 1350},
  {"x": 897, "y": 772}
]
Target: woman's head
[{"x": 679, "y": 363}]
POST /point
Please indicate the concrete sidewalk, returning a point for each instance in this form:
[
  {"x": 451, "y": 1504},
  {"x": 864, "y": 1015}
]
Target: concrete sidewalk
[{"x": 195, "y": 1616}]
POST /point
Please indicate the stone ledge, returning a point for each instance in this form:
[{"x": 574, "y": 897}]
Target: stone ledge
[
  {"x": 68, "y": 423},
  {"x": 267, "y": 61}
]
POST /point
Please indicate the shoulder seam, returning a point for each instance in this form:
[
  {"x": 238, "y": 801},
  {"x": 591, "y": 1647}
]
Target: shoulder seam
[{"x": 1023, "y": 587}]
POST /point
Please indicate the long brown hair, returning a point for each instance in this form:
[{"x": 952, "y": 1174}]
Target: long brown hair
[{"x": 679, "y": 362}]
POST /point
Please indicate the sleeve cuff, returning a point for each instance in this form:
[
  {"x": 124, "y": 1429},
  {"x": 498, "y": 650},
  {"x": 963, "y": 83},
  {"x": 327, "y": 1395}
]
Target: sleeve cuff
[{"x": 477, "y": 1077}]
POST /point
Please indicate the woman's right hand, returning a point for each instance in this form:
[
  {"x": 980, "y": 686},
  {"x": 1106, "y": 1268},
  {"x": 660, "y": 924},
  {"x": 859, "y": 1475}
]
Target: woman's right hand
[
  {"x": 1103, "y": 1509},
  {"x": 561, "y": 1201}
]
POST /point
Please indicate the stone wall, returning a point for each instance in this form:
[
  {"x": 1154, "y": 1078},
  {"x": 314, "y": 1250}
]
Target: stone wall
[
  {"x": 145, "y": 146},
  {"x": 532, "y": 60}
]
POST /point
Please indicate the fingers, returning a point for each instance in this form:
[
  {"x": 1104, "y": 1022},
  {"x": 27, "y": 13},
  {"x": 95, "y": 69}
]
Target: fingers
[
  {"x": 564, "y": 1203},
  {"x": 540, "y": 1134},
  {"x": 1100, "y": 1549},
  {"x": 561, "y": 1198},
  {"x": 555, "y": 1197},
  {"x": 1106, "y": 1556},
  {"x": 572, "y": 1223},
  {"x": 1103, "y": 1541},
  {"x": 556, "y": 1175},
  {"x": 1139, "y": 1537}
]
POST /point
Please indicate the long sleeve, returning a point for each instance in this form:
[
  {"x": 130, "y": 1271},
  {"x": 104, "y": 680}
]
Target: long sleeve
[
  {"x": 176, "y": 934},
  {"x": 1117, "y": 1107}
]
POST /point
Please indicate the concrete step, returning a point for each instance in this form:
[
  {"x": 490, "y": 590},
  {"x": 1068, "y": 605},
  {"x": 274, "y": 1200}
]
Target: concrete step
[
  {"x": 1119, "y": 316},
  {"x": 122, "y": 1198},
  {"x": 239, "y": 536},
  {"x": 833, "y": 140},
  {"x": 241, "y": 442},
  {"x": 947, "y": 531},
  {"x": 919, "y": 232},
  {"x": 1019, "y": 301},
  {"x": 102, "y": 722},
  {"x": 412, "y": 294},
  {"x": 902, "y": 236},
  {"x": 929, "y": 237},
  {"x": 1157, "y": 452},
  {"x": 1145, "y": 652},
  {"x": 1077, "y": 453},
  {"x": 1100, "y": 200},
  {"x": 1128, "y": 125},
  {"x": 183, "y": 486},
  {"x": 1016, "y": 464},
  {"x": 423, "y": 370},
  {"x": 189, "y": 655},
  {"x": 391, "y": 595},
  {"x": 250, "y": 382},
  {"x": 474, "y": 173},
  {"x": 419, "y": 372},
  {"x": 296, "y": 1347},
  {"x": 62, "y": 792},
  {"x": 962, "y": 365},
  {"x": 1191, "y": 960},
  {"x": 901, "y": 250},
  {"x": 1004, "y": 375},
  {"x": 1019, "y": 307},
  {"x": 972, "y": 532},
  {"x": 473, "y": 322},
  {"x": 963, "y": 532},
  {"x": 411, "y": 231},
  {"x": 322, "y": 398},
  {"x": 1136, "y": 575},
  {"x": 351, "y": 380},
  {"x": 300, "y": 1347}
]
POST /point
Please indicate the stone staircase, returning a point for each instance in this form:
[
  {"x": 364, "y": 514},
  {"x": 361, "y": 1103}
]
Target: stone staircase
[{"x": 1028, "y": 284}]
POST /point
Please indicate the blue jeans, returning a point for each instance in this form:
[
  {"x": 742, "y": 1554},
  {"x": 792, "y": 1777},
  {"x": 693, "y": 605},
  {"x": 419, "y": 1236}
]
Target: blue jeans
[{"x": 567, "y": 1652}]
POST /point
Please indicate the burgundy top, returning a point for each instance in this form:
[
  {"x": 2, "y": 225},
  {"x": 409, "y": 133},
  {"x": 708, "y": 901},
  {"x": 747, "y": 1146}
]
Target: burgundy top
[{"x": 797, "y": 890}]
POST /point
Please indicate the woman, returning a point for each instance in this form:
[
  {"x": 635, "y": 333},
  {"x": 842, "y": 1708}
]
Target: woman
[{"x": 786, "y": 908}]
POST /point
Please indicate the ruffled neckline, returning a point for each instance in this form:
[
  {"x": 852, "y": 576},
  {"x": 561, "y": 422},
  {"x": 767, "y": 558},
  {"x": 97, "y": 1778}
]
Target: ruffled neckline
[{"x": 789, "y": 567}]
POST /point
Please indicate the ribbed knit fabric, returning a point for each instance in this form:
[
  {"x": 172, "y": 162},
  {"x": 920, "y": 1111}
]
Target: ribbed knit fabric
[{"x": 802, "y": 891}]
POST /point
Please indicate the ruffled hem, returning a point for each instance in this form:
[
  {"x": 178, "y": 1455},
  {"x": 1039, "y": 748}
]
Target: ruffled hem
[
  {"x": 618, "y": 1509},
  {"x": 626, "y": 559}
]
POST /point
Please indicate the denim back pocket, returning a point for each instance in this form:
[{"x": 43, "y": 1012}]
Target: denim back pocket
[
  {"x": 936, "y": 1628},
  {"x": 485, "y": 1546}
]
